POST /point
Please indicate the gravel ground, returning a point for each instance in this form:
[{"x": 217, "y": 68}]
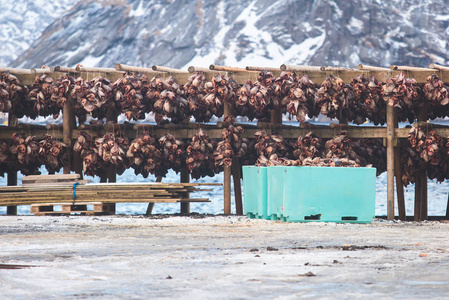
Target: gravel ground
[{"x": 219, "y": 257}]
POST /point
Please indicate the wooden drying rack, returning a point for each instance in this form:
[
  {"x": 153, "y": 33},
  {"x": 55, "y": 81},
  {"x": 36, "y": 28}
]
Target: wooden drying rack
[{"x": 390, "y": 134}]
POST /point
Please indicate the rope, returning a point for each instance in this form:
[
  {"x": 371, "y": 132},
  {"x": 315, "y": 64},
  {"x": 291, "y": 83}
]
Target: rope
[{"x": 74, "y": 191}]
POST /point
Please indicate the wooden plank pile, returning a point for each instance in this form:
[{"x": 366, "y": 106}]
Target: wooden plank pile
[
  {"x": 52, "y": 180},
  {"x": 106, "y": 193}
]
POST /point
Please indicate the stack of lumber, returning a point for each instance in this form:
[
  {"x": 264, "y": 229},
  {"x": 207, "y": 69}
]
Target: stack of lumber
[
  {"x": 52, "y": 180},
  {"x": 104, "y": 192}
]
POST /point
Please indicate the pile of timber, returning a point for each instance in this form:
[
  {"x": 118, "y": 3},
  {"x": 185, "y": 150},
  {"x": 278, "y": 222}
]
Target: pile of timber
[
  {"x": 65, "y": 192},
  {"x": 52, "y": 180}
]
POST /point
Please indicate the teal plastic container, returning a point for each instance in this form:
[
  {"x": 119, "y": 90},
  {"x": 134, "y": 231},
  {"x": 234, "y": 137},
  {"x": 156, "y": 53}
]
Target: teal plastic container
[
  {"x": 275, "y": 198},
  {"x": 255, "y": 192},
  {"x": 329, "y": 194}
]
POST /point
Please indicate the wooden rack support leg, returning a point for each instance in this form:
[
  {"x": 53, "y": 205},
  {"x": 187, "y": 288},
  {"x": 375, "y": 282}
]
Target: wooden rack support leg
[
  {"x": 237, "y": 186},
  {"x": 111, "y": 172},
  {"x": 11, "y": 180},
  {"x": 399, "y": 184},
  {"x": 424, "y": 200},
  {"x": 68, "y": 112},
  {"x": 447, "y": 208},
  {"x": 12, "y": 175},
  {"x": 398, "y": 174},
  {"x": 227, "y": 190},
  {"x": 417, "y": 215},
  {"x": 227, "y": 173},
  {"x": 421, "y": 183},
  {"x": 390, "y": 163},
  {"x": 185, "y": 178},
  {"x": 151, "y": 205}
]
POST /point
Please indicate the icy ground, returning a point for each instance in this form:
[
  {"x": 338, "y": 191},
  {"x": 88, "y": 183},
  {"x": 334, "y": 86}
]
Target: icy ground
[{"x": 219, "y": 257}]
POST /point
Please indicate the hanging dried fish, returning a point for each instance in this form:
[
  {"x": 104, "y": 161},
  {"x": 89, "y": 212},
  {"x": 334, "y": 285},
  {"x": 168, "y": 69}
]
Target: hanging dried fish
[
  {"x": 403, "y": 93},
  {"x": 411, "y": 165},
  {"x": 340, "y": 147},
  {"x": 367, "y": 102},
  {"x": 52, "y": 154},
  {"x": 145, "y": 156},
  {"x": 269, "y": 144},
  {"x": 309, "y": 146},
  {"x": 199, "y": 105},
  {"x": 5, "y": 102},
  {"x": 7, "y": 162},
  {"x": 62, "y": 90},
  {"x": 25, "y": 151},
  {"x": 78, "y": 93},
  {"x": 436, "y": 95},
  {"x": 129, "y": 93},
  {"x": 173, "y": 153},
  {"x": 18, "y": 96},
  {"x": 85, "y": 145},
  {"x": 200, "y": 159},
  {"x": 112, "y": 148},
  {"x": 40, "y": 98},
  {"x": 170, "y": 103},
  {"x": 242, "y": 106},
  {"x": 232, "y": 145},
  {"x": 224, "y": 90},
  {"x": 371, "y": 152},
  {"x": 334, "y": 97},
  {"x": 262, "y": 99}
]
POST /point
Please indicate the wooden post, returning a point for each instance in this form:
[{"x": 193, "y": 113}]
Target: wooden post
[
  {"x": 417, "y": 215},
  {"x": 398, "y": 173},
  {"x": 11, "y": 180},
  {"x": 237, "y": 186},
  {"x": 151, "y": 205},
  {"x": 111, "y": 116},
  {"x": 226, "y": 69},
  {"x": 421, "y": 182},
  {"x": 390, "y": 163},
  {"x": 424, "y": 199},
  {"x": 111, "y": 172},
  {"x": 185, "y": 178},
  {"x": 447, "y": 208},
  {"x": 68, "y": 113},
  {"x": 12, "y": 175},
  {"x": 149, "y": 209},
  {"x": 227, "y": 173}
]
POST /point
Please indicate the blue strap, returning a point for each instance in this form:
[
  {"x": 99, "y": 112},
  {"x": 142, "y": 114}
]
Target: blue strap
[{"x": 74, "y": 189}]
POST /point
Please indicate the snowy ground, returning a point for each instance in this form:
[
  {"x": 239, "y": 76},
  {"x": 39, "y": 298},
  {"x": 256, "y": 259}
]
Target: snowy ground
[{"x": 220, "y": 257}]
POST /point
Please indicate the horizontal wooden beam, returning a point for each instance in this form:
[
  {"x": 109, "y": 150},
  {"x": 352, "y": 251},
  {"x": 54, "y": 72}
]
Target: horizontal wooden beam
[
  {"x": 126, "y": 68},
  {"x": 438, "y": 67},
  {"x": 168, "y": 70},
  {"x": 214, "y": 132},
  {"x": 242, "y": 75},
  {"x": 371, "y": 68},
  {"x": 249, "y": 68},
  {"x": 226, "y": 69}
]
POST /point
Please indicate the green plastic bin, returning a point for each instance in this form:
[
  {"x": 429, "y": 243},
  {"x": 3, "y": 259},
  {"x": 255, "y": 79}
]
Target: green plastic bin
[
  {"x": 275, "y": 198},
  {"x": 329, "y": 194},
  {"x": 255, "y": 192}
]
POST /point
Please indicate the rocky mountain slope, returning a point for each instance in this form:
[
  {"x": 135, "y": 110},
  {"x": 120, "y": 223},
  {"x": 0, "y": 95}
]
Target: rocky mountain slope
[
  {"x": 180, "y": 33},
  {"x": 23, "y": 21}
]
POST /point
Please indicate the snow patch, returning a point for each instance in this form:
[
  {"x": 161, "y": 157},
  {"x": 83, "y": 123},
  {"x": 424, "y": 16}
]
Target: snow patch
[
  {"x": 91, "y": 61},
  {"x": 138, "y": 12}
]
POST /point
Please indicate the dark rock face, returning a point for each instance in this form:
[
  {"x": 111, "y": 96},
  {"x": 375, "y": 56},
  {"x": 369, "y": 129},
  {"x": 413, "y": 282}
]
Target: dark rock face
[{"x": 180, "y": 32}]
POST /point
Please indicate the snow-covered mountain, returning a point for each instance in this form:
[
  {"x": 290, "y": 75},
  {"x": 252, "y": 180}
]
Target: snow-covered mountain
[
  {"x": 23, "y": 21},
  {"x": 179, "y": 33}
]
